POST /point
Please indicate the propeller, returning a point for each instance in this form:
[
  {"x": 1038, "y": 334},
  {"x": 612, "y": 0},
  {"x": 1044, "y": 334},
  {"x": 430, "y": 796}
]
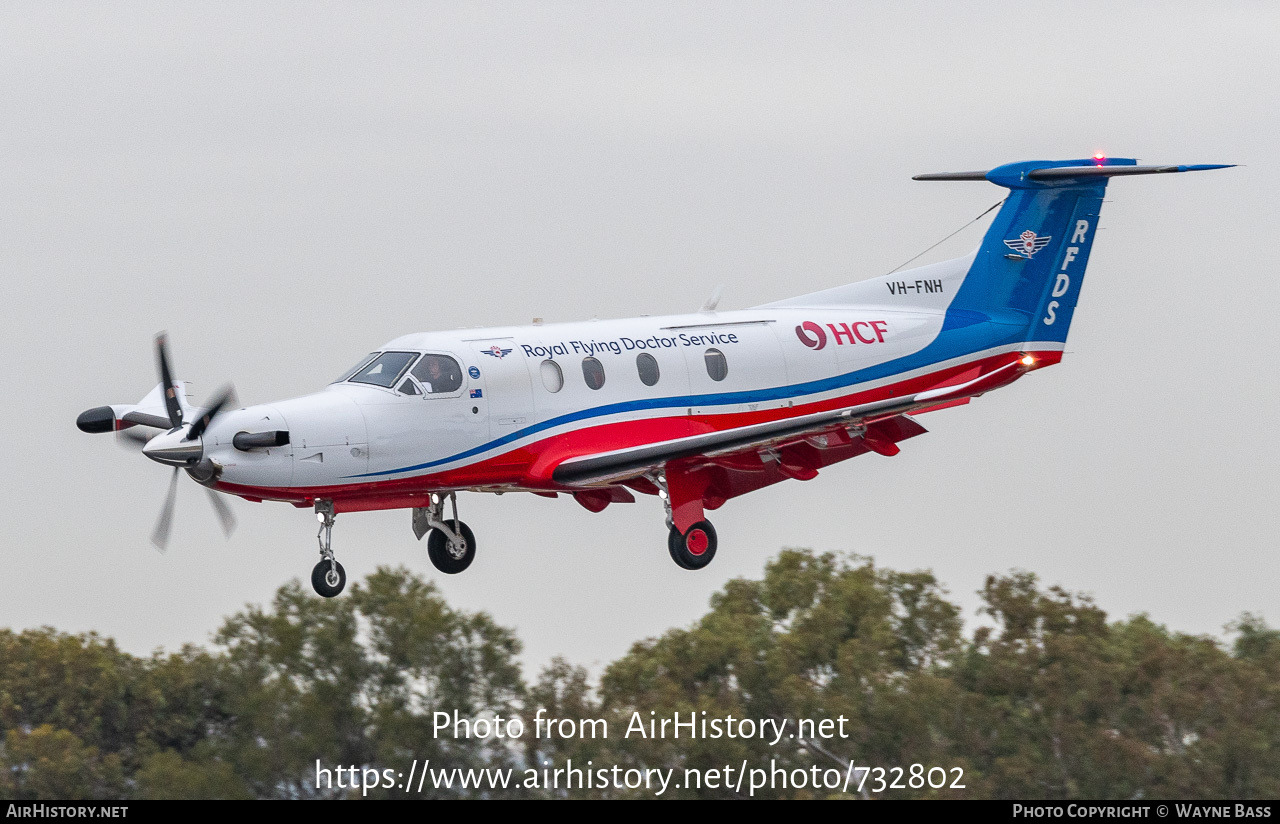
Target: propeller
[
  {"x": 164, "y": 523},
  {"x": 171, "y": 404},
  {"x": 179, "y": 444},
  {"x": 226, "y": 395},
  {"x": 181, "y": 447},
  {"x": 132, "y": 439}
]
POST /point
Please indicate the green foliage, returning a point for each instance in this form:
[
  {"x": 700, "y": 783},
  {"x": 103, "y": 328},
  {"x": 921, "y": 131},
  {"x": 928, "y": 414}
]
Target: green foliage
[
  {"x": 355, "y": 681},
  {"x": 50, "y": 763},
  {"x": 351, "y": 681},
  {"x": 819, "y": 637},
  {"x": 1047, "y": 699}
]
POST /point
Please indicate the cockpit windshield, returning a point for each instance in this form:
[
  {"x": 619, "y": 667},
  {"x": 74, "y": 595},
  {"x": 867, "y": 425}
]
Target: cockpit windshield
[
  {"x": 384, "y": 369},
  {"x": 361, "y": 365}
]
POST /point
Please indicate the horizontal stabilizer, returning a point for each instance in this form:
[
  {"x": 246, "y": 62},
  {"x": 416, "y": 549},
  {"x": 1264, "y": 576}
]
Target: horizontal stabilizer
[
  {"x": 1045, "y": 173},
  {"x": 952, "y": 176},
  {"x": 1114, "y": 171}
]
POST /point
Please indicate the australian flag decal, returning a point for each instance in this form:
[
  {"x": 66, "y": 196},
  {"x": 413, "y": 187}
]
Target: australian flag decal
[{"x": 477, "y": 393}]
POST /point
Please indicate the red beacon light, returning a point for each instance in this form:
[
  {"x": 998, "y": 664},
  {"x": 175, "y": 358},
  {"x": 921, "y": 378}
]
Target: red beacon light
[{"x": 1099, "y": 157}]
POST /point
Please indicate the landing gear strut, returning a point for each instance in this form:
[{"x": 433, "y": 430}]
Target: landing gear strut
[
  {"x": 451, "y": 545},
  {"x": 695, "y": 546},
  {"x": 328, "y": 577}
]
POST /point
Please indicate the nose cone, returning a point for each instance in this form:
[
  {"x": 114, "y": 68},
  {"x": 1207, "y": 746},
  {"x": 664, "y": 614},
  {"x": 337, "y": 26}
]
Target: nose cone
[{"x": 174, "y": 449}]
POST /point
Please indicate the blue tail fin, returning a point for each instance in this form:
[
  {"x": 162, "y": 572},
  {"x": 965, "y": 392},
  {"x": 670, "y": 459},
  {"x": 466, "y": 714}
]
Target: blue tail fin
[{"x": 1031, "y": 264}]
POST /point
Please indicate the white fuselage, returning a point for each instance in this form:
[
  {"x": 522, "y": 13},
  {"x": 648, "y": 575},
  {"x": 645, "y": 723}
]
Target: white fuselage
[{"x": 531, "y": 396}]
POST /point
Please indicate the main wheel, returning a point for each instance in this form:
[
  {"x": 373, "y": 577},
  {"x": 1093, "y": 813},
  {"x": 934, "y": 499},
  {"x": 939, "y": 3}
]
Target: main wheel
[
  {"x": 695, "y": 548},
  {"x": 451, "y": 559},
  {"x": 328, "y": 580},
  {"x": 674, "y": 539}
]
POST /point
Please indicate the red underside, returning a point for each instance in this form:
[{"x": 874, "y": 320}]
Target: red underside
[{"x": 530, "y": 466}]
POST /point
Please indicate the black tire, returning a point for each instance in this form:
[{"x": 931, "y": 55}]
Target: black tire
[
  {"x": 695, "y": 548},
  {"x": 438, "y": 549},
  {"x": 674, "y": 539},
  {"x": 322, "y": 582}
]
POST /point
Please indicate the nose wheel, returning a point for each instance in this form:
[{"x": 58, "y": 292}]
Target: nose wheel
[
  {"x": 695, "y": 548},
  {"x": 328, "y": 578}
]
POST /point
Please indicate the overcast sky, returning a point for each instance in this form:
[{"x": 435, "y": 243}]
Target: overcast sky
[{"x": 286, "y": 186}]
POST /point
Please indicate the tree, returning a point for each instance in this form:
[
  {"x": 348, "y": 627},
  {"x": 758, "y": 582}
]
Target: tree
[
  {"x": 355, "y": 682},
  {"x": 1062, "y": 704},
  {"x": 51, "y": 763},
  {"x": 821, "y": 637},
  {"x": 1050, "y": 699}
]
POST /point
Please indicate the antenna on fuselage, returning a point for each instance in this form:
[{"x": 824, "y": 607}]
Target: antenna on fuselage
[{"x": 714, "y": 300}]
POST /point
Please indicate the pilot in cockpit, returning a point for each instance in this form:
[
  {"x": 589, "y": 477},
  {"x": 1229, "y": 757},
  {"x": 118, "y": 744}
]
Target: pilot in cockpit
[{"x": 438, "y": 374}]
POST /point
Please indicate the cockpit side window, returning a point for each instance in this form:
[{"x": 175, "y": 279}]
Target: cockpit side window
[
  {"x": 362, "y": 364},
  {"x": 385, "y": 369},
  {"x": 438, "y": 374}
]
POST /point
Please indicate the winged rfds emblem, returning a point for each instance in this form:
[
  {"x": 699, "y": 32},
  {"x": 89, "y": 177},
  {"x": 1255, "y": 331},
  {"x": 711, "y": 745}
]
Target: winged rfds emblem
[{"x": 1027, "y": 243}]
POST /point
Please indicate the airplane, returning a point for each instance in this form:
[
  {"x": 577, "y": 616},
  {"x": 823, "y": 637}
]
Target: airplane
[{"x": 694, "y": 409}]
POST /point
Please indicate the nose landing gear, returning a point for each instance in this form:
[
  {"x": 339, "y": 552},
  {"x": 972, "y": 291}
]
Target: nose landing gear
[{"x": 328, "y": 577}]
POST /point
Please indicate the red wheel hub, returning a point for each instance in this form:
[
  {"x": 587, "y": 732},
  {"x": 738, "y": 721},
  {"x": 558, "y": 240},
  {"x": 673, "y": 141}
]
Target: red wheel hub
[{"x": 696, "y": 542}]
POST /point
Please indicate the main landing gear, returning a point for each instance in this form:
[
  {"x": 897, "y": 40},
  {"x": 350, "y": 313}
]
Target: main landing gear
[
  {"x": 451, "y": 545},
  {"x": 694, "y": 546},
  {"x": 328, "y": 577}
]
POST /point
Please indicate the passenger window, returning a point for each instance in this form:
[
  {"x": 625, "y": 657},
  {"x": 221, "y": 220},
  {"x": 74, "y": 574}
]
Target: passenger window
[
  {"x": 438, "y": 374},
  {"x": 717, "y": 366},
  {"x": 552, "y": 375},
  {"x": 593, "y": 372},
  {"x": 385, "y": 369},
  {"x": 647, "y": 366},
  {"x": 409, "y": 387}
]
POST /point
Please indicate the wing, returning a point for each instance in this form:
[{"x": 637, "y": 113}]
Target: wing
[{"x": 795, "y": 438}]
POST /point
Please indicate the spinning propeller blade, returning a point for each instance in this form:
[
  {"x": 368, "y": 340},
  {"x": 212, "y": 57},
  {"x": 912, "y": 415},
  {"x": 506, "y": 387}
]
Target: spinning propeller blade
[
  {"x": 133, "y": 439},
  {"x": 171, "y": 404},
  {"x": 164, "y": 525},
  {"x": 220, "y": 508},
  {"x": 227, "y": 395}
]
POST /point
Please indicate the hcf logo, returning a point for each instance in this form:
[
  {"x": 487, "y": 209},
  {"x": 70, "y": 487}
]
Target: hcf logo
[
  {"x": 815, "y": 341},
  {"x": 815, "y": 337}
]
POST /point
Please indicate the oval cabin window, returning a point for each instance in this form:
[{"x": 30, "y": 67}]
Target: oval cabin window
[
  {"x": 717, "y": 366},
  {"x": 552, "y": 376},
  {"x": 647, "y": 366},
  {"x": 593, "y": 372}
]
